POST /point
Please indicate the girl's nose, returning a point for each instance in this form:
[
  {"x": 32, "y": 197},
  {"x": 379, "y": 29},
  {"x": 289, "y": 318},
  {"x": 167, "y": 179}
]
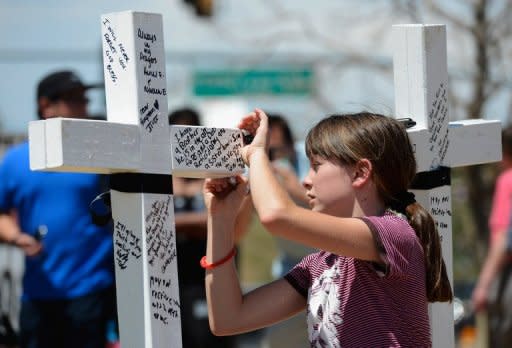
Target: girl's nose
[{"x": 307, "y": 180}]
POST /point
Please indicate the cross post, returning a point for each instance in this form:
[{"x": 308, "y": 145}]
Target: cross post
[
  {"x": 140, "y": 151},
  {"x": 421, "y": 93}
]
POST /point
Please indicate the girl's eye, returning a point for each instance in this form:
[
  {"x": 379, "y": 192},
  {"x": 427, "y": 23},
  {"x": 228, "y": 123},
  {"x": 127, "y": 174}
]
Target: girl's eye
[{"x": 314, "y": 166}]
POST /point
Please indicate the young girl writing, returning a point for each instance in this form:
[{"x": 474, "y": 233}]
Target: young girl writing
[{"x": 380, "y": 262}]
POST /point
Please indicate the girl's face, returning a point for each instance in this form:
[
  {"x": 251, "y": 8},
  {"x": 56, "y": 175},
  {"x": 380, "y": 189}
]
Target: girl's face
[{"x": 329, "y": 187}]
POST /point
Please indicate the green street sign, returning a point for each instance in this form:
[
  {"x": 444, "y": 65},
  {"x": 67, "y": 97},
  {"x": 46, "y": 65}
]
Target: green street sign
[{"x": 297, "y": 82}]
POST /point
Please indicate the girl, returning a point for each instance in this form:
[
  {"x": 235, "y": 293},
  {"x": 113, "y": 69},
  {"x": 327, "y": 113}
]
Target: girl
[{"x": 380, "y": 262}]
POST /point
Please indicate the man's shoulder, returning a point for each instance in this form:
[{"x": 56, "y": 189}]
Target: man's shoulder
[
  {"x": 17, "y": 150},
  {"x": 16, "y": 153}
]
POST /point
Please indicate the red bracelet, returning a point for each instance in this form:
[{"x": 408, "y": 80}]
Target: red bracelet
[{"x": 212, "y": 265}]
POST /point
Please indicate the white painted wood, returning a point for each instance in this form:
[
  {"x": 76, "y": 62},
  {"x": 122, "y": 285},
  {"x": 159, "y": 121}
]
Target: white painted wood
[
  {"x": 75, "y": 145},
  {"x": 162, "y": 270},
  {"x": 147, "y": 281},
  {"x": 438, "y": 202},
  {"x": 421, "y": 81},
  {"x": 133, "y": 55},
  {"x": 419, "y": 138},
  {"x": 37, "y": 148},
  {"x": 473, "y": 142},
  {"x": 421, "y": 85},
  {"x": 201, "y": 151},
  {"x": 131, "y": 274},
  {"x": 135, "y": 83}
]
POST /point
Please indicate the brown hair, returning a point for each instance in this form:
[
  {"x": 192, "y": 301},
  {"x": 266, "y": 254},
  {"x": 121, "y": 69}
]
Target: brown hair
[{"x": 346, "y": 139}]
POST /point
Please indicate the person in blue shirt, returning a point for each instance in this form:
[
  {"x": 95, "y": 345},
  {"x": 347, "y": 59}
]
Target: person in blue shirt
[{"x": 68, "y": 285}]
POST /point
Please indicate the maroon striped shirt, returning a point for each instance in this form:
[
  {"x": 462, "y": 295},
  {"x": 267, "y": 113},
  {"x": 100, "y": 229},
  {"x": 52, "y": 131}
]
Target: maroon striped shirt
[{"x": 355, "y": 303}]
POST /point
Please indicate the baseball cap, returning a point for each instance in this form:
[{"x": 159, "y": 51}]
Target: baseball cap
[{"x": 55, "y": 84}]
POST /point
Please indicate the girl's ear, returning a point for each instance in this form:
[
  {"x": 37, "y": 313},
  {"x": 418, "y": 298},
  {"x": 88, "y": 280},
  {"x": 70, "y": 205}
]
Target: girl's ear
[{"x": 362, "y": 172}]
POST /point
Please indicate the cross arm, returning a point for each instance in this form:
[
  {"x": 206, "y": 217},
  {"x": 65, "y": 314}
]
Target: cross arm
[
  {"x": 467, "y": 142},
  {"x": 76, "y": 145},
  {"x": 206, "y": 152},
  {"x": 473, "y": 142}
]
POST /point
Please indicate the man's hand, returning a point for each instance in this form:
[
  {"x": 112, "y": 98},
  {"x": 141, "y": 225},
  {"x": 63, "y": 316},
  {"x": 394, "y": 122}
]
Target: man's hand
[{"x": 27, "y": 243}]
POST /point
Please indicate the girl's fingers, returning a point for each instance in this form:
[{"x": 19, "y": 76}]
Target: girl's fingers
[
  {"x": 256, "y": 123},
  {"x": 216, "y": 185},
  {"x": 250, "y": 122},
  {"x": 224, "y": 184}
]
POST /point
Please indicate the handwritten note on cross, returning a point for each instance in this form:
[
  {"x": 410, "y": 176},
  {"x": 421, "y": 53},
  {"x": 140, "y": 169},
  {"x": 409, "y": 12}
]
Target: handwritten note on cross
[
  {"x": 421, "y": 93},
  {"x": 140, "y": 151}
]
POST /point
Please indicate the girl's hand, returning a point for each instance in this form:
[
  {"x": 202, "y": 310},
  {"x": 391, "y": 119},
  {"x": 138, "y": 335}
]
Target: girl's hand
[
  {"x": 224, "y": 196},
  {"x": 256, "y": 123}
]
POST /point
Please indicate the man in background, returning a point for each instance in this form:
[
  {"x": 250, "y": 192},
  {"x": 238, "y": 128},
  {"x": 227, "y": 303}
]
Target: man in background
[{"x": 68, "y": 286}]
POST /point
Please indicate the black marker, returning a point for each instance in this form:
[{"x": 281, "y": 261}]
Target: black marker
[
  {"x": 407, "y": 122},
  {"x": 247, "y": 137}
]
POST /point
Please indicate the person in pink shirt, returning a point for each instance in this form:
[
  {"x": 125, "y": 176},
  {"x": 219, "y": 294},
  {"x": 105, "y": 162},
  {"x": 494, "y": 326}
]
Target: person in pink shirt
[
  {"x": 379, "y": 261},
  {"x": 493, "y": 291}
]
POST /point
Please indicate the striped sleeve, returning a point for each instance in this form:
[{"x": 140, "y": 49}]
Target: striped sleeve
[
  {"x": 300, "y": 276},
  {"x": 396, "y": 241}
]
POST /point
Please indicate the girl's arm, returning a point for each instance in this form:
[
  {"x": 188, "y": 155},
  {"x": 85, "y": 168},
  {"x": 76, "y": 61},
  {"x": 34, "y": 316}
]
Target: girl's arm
[
  {"x": 243, "y": 219},
  {"x": 229, "y": 311},
  {"x": 281, "y": 216},
  {"x": 292, "y": 184}
]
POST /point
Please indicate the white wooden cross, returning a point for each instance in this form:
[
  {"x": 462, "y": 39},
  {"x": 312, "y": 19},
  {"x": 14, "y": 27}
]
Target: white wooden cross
[
  {"x": 139, "y": 148},
  {"x": 421, "y": 93}
]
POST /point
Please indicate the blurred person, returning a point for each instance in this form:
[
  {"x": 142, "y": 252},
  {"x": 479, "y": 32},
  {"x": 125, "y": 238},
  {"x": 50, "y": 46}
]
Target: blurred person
[
  {"x": 284, "y": 157},
  {"x": 493, "y": 291},
  {"x": 285, "y": 162},
  {"x": 68, "y": 297},
  {"x": 190, "y": 221}
]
